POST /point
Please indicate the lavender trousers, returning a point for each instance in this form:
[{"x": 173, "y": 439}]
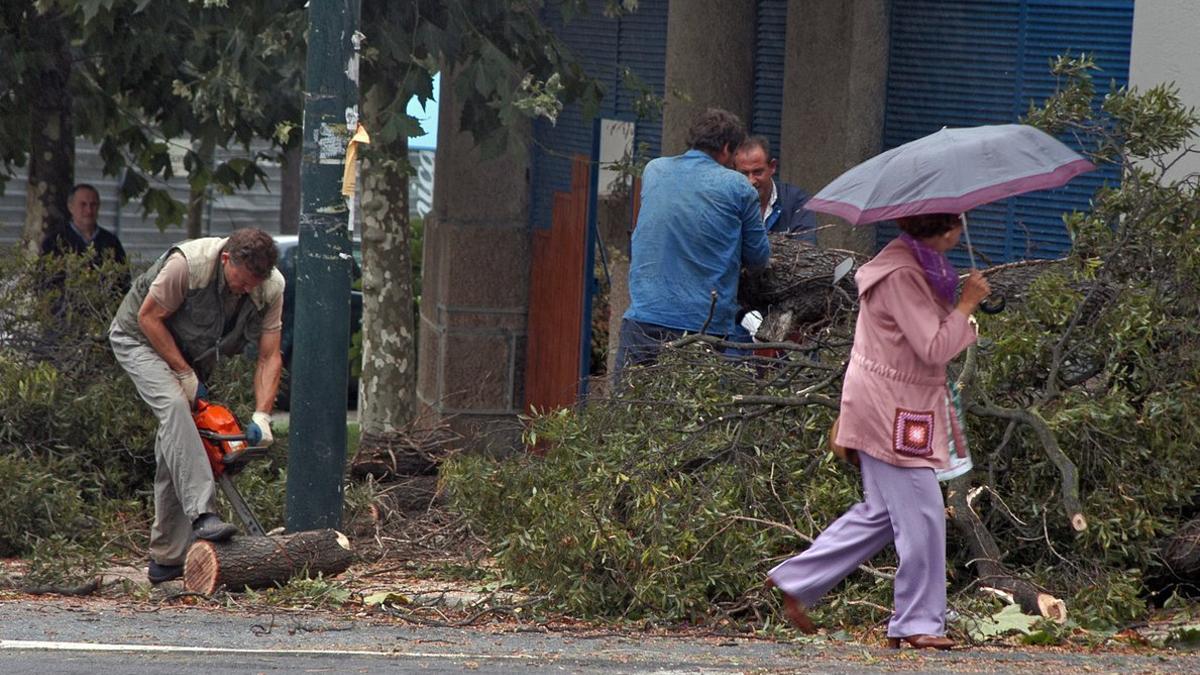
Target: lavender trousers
[{"x": 900, "y": 505}]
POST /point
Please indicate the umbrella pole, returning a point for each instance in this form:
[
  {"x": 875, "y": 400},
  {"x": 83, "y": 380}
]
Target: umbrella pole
[
  {"x": 967, "y": 235},
  {"x": 987, "y": 306}
]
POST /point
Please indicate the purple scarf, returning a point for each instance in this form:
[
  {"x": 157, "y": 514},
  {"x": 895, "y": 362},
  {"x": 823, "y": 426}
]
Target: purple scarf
[{"x": 938, "y": 271}]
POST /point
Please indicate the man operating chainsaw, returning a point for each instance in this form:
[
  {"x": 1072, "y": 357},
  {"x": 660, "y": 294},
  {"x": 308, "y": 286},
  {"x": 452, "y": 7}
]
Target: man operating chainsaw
[{"x": 203, "y": 299}]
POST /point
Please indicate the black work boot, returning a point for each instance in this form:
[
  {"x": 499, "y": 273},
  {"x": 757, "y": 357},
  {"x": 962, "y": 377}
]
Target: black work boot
[
  {"x": 159, "y": 573},
  {"x": 211, "y": 528}
]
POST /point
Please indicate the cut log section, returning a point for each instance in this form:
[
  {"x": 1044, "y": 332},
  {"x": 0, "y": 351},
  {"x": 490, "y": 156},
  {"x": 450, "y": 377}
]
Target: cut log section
[
  {"x": 986, "y": 558},
  {"x": 798, "y": 288},
  {"x": 1181, "y": 551},
  {"x": 386, "y": 456},
  {"x": 259, "y": 562}
]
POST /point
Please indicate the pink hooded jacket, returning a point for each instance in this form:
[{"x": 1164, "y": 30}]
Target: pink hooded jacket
[{"x": 894, "y": 395}]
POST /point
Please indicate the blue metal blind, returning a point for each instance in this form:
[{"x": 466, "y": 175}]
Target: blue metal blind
[
  {"x": 642, "y": 47},
  {"x": 638, "y": 41},
  {"x": 770, "y": 40},
  {"x": 592, "y": 38},
  {"x": 970, "y": 62}
]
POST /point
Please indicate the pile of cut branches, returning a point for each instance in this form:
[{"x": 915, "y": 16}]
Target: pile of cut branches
[{"x": 672, "y": 499}]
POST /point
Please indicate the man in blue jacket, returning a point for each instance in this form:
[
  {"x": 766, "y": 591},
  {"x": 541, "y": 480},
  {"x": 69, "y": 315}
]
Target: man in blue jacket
[
  {"x": 781, "y": 204},
  {"x": 83, "y": 235},
  {"x": 699, "y": 224}
]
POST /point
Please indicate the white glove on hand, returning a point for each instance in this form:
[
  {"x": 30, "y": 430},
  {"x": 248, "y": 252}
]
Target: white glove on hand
[
  {"x": 189, "y": 383},
  {"x": 259, "y": 431}
]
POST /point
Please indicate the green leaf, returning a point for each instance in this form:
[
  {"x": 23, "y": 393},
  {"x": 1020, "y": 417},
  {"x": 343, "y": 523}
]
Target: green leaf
[
  {"x": 1005, "y": 621},
  {"x": 386, "y": 598}
]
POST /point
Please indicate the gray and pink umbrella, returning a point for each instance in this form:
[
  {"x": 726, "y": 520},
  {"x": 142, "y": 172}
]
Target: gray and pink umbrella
[{"x": 951, "y": 171}]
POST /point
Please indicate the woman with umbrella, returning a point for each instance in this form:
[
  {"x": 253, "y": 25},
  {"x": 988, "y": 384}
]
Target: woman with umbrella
[
  {"x": 894, "y": 412},
  {"x": 896, "y": 408}
]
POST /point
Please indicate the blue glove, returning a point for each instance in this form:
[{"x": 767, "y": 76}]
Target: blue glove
[
  {"x": 259, "y": 431},
  {"x": 201, "y": 391}
]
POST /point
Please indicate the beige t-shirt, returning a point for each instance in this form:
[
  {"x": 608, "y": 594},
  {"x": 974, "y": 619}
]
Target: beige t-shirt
[{"x": 169, "y": 289}]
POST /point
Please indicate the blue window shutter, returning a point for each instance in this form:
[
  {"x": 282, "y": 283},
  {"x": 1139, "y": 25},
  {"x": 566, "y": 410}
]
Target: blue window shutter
[
  {"x": 642, "y": 47},
  {"x": 965, "y": 63},
  {"x": 637, "y": 40},
  {"x": 592, "y": 38},
  {"x": 769, "y": 47}
]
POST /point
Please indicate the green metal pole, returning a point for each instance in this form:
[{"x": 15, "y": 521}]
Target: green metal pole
[{"x": 319, "y": 369}]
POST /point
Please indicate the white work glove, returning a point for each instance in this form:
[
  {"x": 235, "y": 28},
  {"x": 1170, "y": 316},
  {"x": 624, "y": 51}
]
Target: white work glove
[
  {"x": 259, "y": 431},
  {"x": 189, "y": 383}
]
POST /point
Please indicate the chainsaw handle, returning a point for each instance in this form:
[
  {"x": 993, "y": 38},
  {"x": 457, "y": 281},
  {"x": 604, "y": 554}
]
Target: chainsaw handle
[{"x": 214, "y": 436}]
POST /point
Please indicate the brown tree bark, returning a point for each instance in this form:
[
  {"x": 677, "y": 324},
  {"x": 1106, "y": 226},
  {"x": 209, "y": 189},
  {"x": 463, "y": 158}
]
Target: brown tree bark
[
  {"x": 798, "y": 289},
  {"x": 258, "y": 562},
  {"x": 403, "y": 453},
  {"x": 198, "y": 196},
  {"x": 393, "y": 502},
  {"x": 51, "y": 135},
  {"x": 1181, "y": 551},
  {"x": 986, "y": 558},
  {"x": 289, "y": 190}
]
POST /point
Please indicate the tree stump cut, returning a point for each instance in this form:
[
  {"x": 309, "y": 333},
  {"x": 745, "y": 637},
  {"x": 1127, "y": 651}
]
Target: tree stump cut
[
  {"x": 798, "y": 288},
  {"x": 259, "y": 562},
  {"x": 1181, "y": 551}
]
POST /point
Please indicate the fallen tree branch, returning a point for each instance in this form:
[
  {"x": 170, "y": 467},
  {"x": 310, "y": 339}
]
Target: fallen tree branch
[
  {"x": 727, "y": 344},
  {"x": 793, "y": 401},
  {"x": 1066, "y": 468},
  {"x": 988, "y": 568}
]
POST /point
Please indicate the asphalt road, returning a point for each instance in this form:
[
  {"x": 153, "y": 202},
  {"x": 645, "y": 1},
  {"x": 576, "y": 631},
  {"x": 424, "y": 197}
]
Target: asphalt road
[{"x": 66, "y": 637}]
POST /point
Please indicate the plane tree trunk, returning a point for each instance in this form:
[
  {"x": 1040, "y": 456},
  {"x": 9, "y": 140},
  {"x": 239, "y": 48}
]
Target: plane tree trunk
[
  {"x": 51, "y": 134},
  {"x": 388, "y": 383}
]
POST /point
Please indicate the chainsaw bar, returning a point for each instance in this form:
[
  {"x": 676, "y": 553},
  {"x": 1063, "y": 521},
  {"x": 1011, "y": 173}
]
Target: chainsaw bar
[{"x": 240, "y": 508}]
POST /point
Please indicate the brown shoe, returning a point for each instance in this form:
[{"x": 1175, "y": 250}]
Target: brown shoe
[
  {"x": 923, "y": 642},
  {"x": 793, "y": 610}
]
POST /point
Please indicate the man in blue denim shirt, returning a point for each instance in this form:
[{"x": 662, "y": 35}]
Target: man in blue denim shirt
[{"x": 699, "y": 224}]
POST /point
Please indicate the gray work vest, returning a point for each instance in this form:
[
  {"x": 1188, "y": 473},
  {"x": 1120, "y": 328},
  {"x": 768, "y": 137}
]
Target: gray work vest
[{"x": 202, "y": 327}]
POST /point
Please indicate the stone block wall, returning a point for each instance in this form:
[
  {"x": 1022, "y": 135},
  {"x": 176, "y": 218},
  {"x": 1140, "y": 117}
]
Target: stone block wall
[{"x": 475, "y": 296}]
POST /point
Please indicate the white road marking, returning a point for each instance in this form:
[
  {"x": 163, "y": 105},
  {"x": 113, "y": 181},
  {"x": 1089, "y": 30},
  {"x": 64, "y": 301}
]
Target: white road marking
[{"x": 40, "y": 645}]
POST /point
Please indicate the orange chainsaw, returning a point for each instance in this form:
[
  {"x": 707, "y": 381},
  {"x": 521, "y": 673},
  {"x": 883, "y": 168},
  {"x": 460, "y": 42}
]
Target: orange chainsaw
[{"x": 228, "y": 453}]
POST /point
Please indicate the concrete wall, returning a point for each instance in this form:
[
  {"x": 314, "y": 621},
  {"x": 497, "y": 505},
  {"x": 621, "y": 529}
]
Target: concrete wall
[
  {"x": 710, "y": 58},
  {"x": 835, "y": 86},
  {"x": 1165, "y": 34},
  {"x": 475, "y": 292}
]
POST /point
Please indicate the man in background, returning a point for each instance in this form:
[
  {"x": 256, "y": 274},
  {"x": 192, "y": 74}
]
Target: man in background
[
  {"x": 84, "y": 236},
  {"x": 780, "y": 204},
  {"x": 83, "y": 233}
]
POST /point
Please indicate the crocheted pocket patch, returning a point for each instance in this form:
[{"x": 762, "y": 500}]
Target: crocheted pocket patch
[{"x": 913, "y": 433}]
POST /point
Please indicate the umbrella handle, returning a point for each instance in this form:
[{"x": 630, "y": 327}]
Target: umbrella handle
[
  {"x": 993, "y": 306},
  {"x": 987, "y": 307}
]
